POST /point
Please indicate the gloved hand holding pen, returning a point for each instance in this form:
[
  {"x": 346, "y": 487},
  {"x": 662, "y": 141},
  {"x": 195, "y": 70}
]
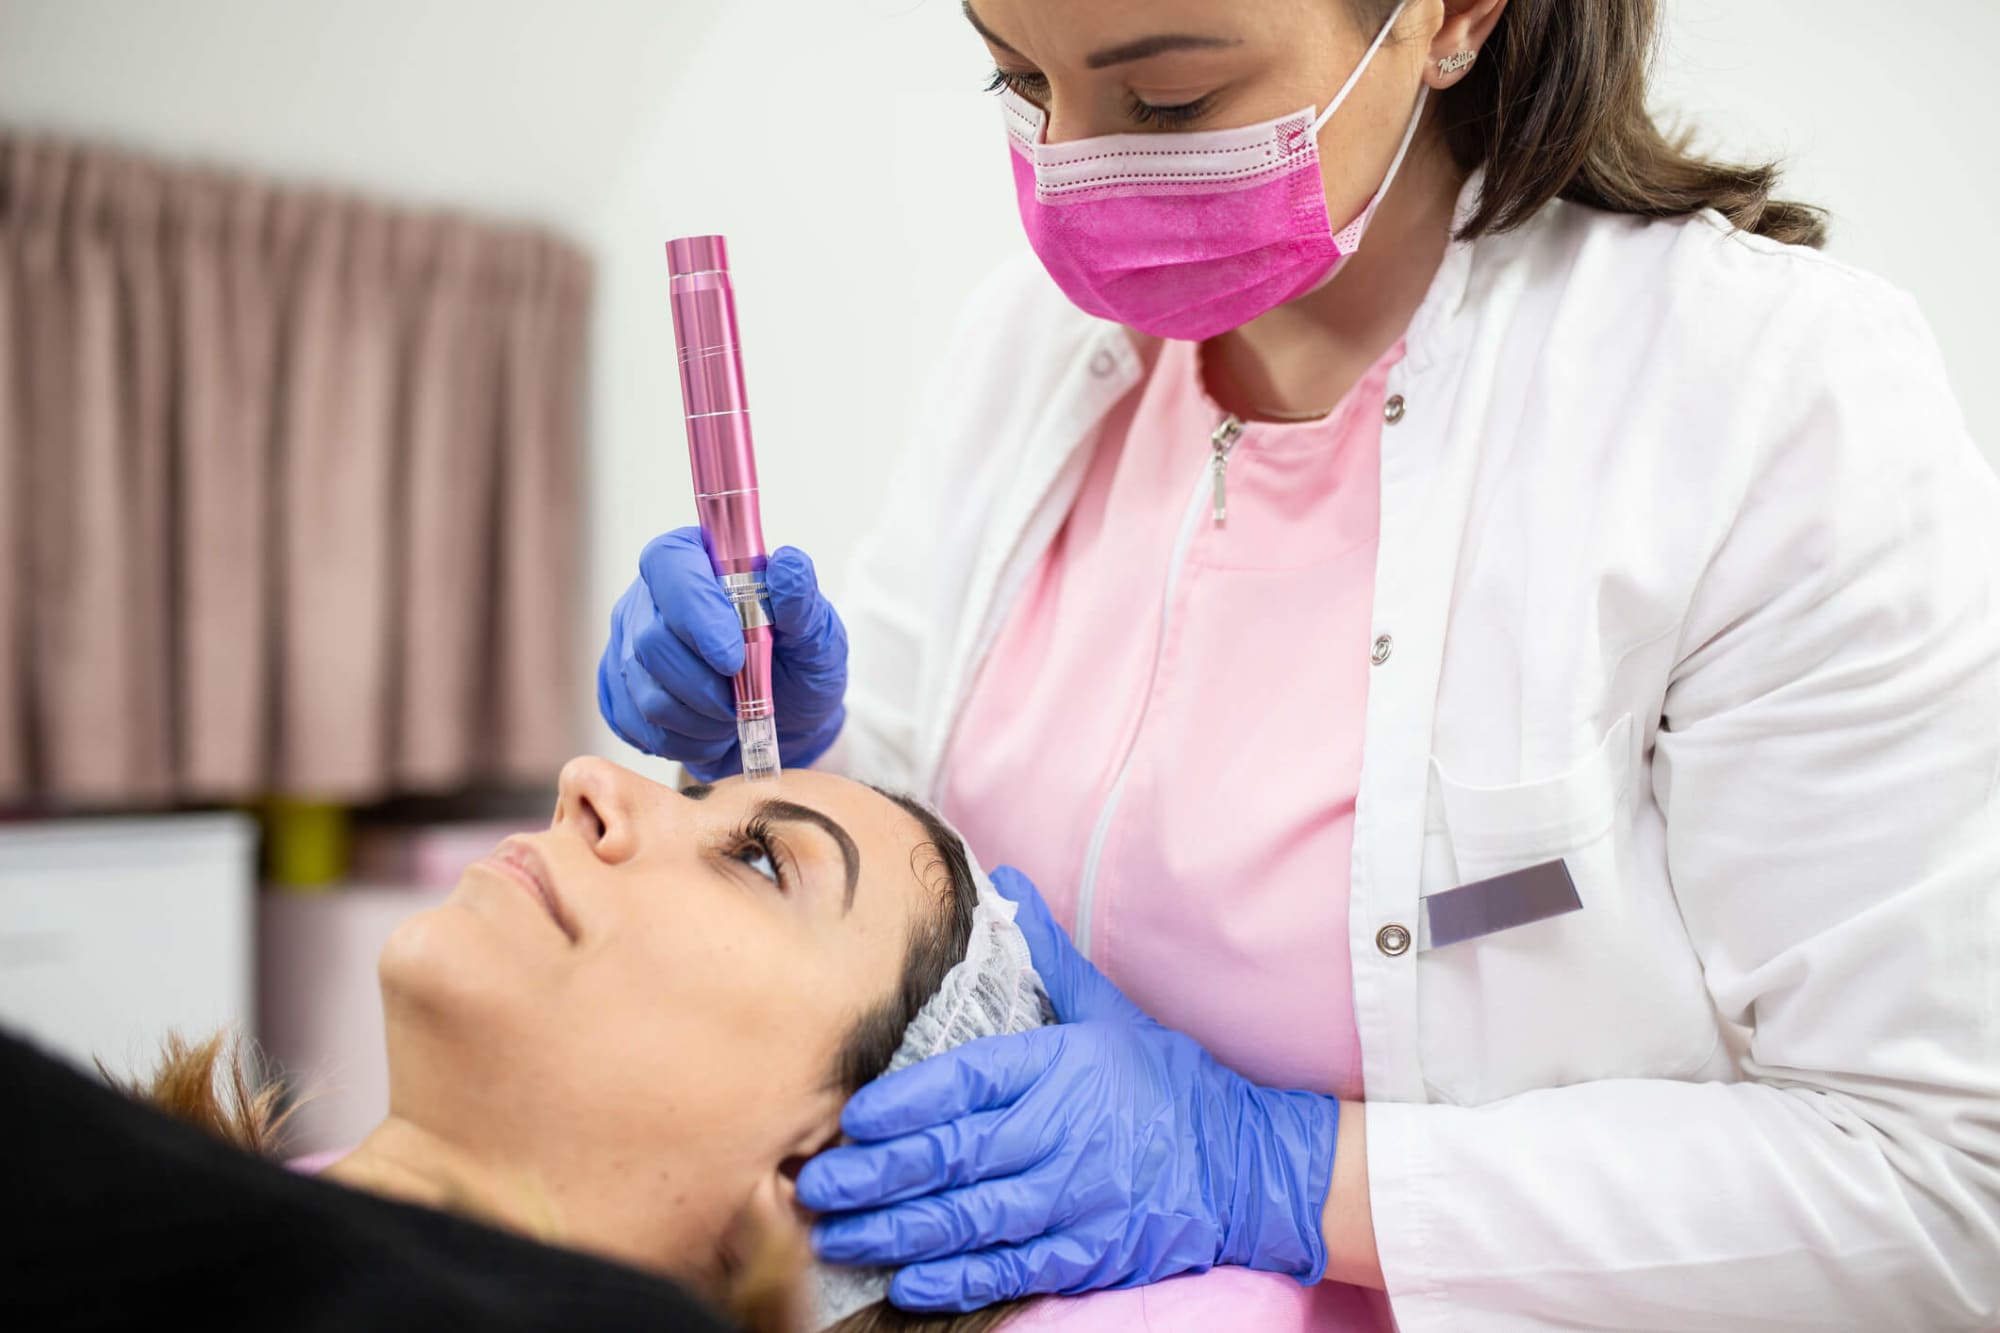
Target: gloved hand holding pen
[
  {"x": 1106, "y": 1151},
  {"x": 663, "y": 683}
]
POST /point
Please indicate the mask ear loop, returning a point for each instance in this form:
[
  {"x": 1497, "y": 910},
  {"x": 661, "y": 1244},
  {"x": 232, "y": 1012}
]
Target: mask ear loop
[
  {"x": 1360, "y": 224},
  {"x": 1360, "y": 69}
]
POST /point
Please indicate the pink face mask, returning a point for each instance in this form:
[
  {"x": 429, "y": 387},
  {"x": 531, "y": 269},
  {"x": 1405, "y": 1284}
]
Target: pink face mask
[{"x": 1187, "y": 235}]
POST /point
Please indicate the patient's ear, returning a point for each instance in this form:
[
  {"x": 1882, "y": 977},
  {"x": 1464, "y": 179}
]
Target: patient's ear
[
  {"x": 773, "y": 1205},
  {"x": 769, "y": 1245},
  {"x": 785, "y": 1180}
]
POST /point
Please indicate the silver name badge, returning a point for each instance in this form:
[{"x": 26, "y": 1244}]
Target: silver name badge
[{"x": 1488, "y": 906}]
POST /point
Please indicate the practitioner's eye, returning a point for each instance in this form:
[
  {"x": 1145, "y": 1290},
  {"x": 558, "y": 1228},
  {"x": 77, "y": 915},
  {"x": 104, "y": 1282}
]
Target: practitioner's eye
[
  {"x": 1034, "y": 87},
  {"x": 1170, "y": 117}
]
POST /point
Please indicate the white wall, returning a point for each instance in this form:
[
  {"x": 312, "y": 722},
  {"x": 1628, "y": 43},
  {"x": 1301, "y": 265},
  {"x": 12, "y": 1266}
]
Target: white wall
[
  {"x": 843, "y": 147},
  {"x": 1884, "y": 118},
  {"x": 521, "y": 107}
]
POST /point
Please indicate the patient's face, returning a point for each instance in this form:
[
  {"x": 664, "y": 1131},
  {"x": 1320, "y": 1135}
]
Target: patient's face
[{"x": 642, "y": 1004}]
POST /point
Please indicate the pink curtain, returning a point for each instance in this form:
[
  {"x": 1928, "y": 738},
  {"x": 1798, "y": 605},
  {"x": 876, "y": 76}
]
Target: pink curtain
[{"x": 288, "y": 488}]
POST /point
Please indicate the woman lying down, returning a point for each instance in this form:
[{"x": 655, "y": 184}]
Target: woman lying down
[
  {"x": 627, "y": 1033},
  {"x": 624, "y": 1036},
  {"x": 621, "y": 1036}
]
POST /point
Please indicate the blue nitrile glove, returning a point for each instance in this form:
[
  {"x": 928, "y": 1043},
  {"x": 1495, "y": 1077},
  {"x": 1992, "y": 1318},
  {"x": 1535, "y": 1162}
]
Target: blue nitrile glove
[
  {"x": 1107, "y": 1151},
  {"x": 663, "y": 683}
]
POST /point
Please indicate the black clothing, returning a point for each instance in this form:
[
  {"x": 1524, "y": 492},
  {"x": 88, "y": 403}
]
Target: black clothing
[{"x": 125, "y": 1218}]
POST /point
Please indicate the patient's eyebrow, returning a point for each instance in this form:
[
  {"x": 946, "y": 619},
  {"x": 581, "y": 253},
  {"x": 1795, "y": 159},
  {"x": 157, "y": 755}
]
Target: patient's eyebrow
[
  {"x": 790, "y": 812},
  {"x": 787, "y": 812}
]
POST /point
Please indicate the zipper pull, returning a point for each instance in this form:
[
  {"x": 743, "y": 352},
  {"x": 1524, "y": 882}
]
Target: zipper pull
[{"x": 1221, "y": 443}]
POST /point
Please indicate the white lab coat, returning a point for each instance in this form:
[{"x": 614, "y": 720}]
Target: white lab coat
[{"x": 1690, "y": 575}]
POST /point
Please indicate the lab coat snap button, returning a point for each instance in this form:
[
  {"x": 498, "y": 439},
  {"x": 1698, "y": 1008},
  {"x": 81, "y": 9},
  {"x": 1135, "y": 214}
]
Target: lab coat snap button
[
  {"x": 1103, "y": 363},
  {"x": 1393, "y": 940},
  {"x": 1392, "y": 411},
  {"x": 1383, "y": 647}
]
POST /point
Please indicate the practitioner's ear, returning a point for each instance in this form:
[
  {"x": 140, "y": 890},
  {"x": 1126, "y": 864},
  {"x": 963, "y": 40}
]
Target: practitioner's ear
[{"x": 1467, "y": 26}]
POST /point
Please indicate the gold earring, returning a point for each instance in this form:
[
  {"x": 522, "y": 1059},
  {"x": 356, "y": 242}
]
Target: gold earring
[{"x": 1456, "y": 61}]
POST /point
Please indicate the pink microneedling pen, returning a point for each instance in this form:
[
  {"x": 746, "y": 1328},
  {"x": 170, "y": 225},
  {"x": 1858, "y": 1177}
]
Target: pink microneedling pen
[{"x": 725, "y": 475}]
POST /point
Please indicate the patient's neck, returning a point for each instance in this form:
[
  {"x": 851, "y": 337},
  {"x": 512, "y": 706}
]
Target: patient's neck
[
  {"x": 641, "y": 1219},
  {"x": 402, "y": 1160}
]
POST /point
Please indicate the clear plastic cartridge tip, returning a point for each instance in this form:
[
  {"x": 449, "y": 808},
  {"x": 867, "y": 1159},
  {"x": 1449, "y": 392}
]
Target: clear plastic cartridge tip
[{"x": 758, "y": 736}]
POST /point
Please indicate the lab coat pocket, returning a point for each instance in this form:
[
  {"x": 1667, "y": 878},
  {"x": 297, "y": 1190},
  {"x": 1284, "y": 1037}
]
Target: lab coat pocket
[
  {"x": 1497, "y": 829},
  {"x": 1611, "y": 991}
]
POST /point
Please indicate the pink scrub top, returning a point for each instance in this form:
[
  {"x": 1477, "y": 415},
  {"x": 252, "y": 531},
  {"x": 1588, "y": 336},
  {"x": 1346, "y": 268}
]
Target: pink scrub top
[{"x": 1189, "y": 744}]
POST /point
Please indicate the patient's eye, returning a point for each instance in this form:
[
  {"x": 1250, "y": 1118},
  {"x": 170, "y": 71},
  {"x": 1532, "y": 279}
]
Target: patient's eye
[
  {"x": 758, "y": 858},
  {"x": 753, "y": 848}
]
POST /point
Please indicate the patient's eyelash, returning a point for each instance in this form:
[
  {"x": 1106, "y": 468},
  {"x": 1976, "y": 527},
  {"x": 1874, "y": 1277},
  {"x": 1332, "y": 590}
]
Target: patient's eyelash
[{"x": 753, "y": 843}]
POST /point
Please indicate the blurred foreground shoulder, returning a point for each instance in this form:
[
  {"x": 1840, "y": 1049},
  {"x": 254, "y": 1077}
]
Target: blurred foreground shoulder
[{"x": 136, "y": 1220}]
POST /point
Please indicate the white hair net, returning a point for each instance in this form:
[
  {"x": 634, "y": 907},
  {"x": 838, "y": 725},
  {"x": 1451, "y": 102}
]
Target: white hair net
[{"x": 993, "y": 991}]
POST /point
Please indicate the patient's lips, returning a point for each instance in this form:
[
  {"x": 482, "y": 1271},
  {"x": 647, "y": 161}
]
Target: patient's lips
[{"x": 522, "y": 862}]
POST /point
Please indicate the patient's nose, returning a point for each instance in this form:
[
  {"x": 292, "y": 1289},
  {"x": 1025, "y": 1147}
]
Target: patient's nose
[{"x": 600, "y": 801}]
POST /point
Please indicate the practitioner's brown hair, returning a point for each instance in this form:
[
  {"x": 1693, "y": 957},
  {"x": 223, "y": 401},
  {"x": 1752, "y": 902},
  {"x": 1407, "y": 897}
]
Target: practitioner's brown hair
[{"x": 1555, "y": 108}]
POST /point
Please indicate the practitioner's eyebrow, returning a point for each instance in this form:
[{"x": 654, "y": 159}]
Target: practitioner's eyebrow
[
  {"x": 1143, "y": 48},
  {"x": 791, "y": 812}
]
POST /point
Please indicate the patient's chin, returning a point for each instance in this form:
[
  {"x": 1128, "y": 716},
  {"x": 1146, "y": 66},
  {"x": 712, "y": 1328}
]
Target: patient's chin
[
  {"x": 416, "y": 954},
  {"x": 441, "y": 970}
]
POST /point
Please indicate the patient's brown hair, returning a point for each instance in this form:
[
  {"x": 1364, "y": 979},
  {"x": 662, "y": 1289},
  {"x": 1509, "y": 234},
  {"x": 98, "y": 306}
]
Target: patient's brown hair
[{"x": 210, "y": 1085}]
